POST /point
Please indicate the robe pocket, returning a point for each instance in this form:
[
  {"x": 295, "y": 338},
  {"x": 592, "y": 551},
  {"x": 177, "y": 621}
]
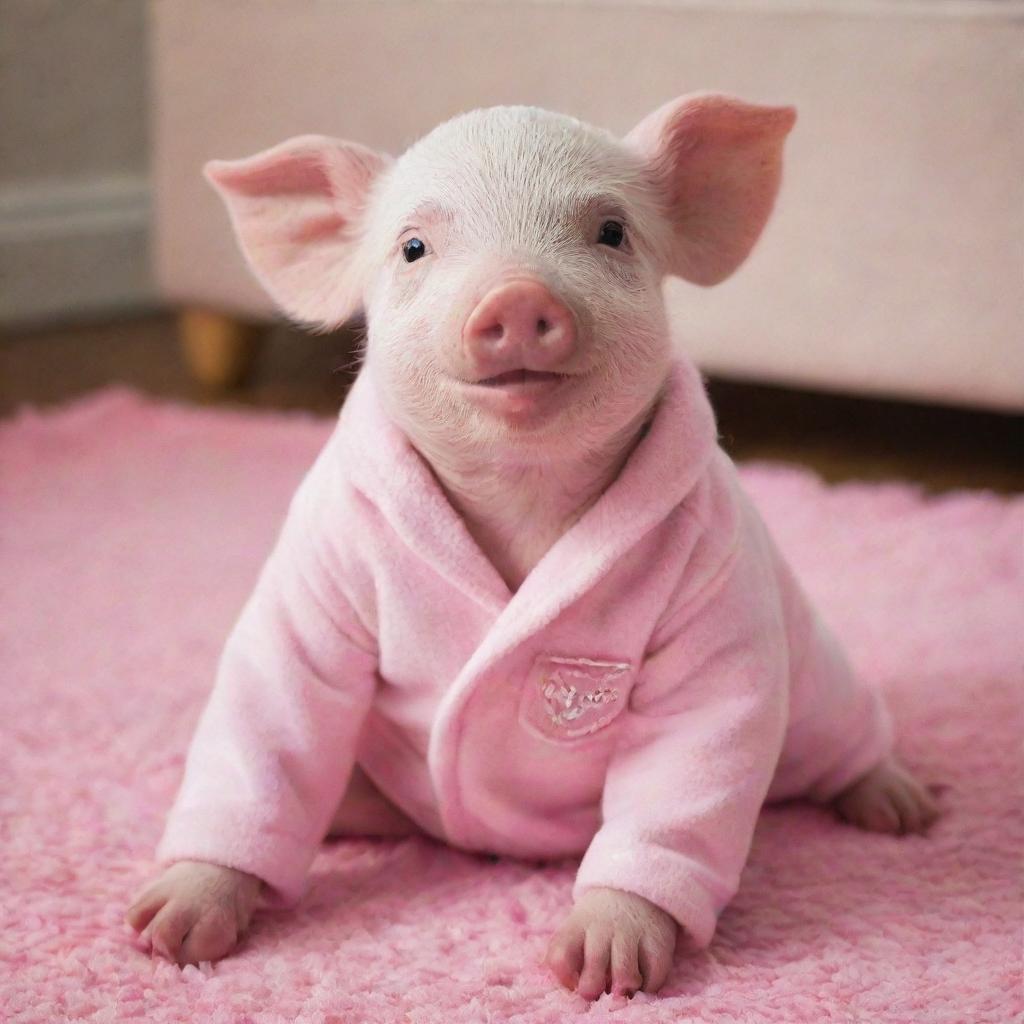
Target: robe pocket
[{"x": 569, "y": 698}]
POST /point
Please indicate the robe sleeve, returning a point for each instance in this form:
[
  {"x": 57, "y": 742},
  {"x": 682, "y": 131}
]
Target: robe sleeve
[
  {"x": 276, "y": 743},
  {"x": 839, "y": 726},
  {"x": 700, "y": 741}
]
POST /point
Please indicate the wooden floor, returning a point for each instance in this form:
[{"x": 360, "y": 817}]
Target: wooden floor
[{"x": 841, "y": 438}]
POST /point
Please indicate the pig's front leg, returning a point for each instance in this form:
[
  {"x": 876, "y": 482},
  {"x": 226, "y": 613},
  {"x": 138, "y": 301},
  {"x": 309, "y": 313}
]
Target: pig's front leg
[
  {"x": 613, "y": 941},
  {"x": 195, "y": 911}
]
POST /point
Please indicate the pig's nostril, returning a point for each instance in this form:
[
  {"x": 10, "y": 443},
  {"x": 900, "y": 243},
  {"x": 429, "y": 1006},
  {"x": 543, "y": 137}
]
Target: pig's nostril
[{"x": 520, "y": 319}]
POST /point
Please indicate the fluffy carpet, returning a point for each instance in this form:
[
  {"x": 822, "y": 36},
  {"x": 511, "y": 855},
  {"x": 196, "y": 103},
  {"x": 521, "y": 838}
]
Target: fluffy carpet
[{"x": 130, "y": 533}]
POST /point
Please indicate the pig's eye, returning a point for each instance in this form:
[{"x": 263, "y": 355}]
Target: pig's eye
[
  {"x": 413, "y": 249},
  {"x": 612, "y": 234}
]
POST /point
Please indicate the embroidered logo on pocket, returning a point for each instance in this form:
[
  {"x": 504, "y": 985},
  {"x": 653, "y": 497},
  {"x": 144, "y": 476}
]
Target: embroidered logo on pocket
[{"x": 566, "y": 698}]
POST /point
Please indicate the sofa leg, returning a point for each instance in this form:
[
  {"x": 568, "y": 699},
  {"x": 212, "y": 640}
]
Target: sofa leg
[{"x": 218, "y": 349}]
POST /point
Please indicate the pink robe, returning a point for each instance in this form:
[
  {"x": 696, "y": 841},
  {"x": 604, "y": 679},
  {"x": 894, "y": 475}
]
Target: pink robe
[{"x": 656, "y": 677}]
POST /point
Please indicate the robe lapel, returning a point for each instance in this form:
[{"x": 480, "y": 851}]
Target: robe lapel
[
  {"x": 661, "y": 471},
  {"x": 389, "y": 471}
]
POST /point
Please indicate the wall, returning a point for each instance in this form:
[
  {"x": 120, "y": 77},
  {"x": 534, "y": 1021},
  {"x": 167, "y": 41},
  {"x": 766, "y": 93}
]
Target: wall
[{"x": 74, "y": 196}]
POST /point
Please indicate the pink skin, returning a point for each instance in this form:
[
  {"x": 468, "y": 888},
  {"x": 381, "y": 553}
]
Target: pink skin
[
  {"x": 613, "y": 942},
  {"x": 522, "y": 353},
  {"x": 195, "y": 911}
]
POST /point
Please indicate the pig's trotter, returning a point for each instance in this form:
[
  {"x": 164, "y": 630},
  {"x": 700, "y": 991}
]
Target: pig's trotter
[{"x": 888, "y": 799}]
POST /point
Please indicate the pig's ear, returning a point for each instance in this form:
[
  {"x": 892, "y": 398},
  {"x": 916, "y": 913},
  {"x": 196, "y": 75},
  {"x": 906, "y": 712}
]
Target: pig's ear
[
  {"x": 296, "y": 210},
  {"x": 718, "y": 162}
]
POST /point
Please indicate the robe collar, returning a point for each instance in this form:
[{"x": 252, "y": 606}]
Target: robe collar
[{"x": 662, "y": 469}]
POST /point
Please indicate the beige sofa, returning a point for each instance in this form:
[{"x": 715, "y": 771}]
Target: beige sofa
[{"x": 893, "y": 263}]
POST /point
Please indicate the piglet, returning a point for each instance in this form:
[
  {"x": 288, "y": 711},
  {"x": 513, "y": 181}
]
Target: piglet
[{"x": 520, "y": 603}]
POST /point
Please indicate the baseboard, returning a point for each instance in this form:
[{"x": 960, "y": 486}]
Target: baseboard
[{"x": 69, "y": 249}]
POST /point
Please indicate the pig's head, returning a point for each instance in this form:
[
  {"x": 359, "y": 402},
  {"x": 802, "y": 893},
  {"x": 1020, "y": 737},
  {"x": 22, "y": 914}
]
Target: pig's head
[{"x": 510, "y": 262}]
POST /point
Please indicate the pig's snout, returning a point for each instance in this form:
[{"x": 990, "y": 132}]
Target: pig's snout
[{"x": 519, "y": 324}]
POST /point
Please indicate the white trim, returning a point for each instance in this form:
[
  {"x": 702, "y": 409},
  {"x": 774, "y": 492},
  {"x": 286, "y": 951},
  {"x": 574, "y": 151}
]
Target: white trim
[
  {"x": 72, "y": 208},
  {"x": 74, "y": 247},
  {"x": 995, "y": 9}
]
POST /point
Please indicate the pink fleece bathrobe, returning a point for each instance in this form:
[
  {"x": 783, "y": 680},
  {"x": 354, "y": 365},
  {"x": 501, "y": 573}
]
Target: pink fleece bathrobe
[{"x": 657, "y": 675}]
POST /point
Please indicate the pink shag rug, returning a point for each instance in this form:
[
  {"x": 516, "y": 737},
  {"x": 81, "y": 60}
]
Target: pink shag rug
[{"x": 130, "y": 533}]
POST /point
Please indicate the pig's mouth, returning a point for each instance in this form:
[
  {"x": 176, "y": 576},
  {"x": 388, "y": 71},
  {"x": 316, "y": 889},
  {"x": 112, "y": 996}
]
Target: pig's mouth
[
  {"x": 522, "y": 376},
  {"x": 519, "y": 396}
]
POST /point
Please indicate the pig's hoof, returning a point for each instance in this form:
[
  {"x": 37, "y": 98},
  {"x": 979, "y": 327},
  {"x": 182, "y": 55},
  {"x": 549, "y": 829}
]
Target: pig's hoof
[{"x": 887, "y": 799}]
